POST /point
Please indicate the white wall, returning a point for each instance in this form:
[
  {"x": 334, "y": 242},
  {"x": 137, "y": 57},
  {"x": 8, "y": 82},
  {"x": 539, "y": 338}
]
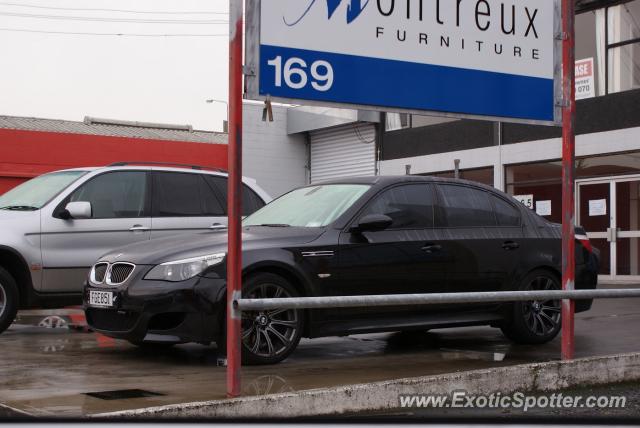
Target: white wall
[
  {"x": 271, "y": 156},
  {"x": 620, "y": 140}
]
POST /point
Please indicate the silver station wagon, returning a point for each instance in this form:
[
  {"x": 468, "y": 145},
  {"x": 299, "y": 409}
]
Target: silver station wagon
[{"x": 54, "y": 227}]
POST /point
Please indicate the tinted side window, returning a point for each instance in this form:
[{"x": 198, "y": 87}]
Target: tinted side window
[
  {"x": 409, "y": 206},
  {"x": 176, "y": 195},
  {"x": 465, "y": 207},
  {"x": 506, "y": 214},
  {"x": 183, "y": 195},
  {"x": 251, "y": 202},
  {"x": 251, "y": 199},
  {"x": 115, "y": 194},
  {"x": 211, "y": 205}
]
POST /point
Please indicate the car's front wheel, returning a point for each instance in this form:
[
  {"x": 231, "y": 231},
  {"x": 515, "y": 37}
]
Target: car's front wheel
[
  {"x": 269, "y": 337},
  {"x": 9, "y": 299},
  {"x": 536, "y": 321}
]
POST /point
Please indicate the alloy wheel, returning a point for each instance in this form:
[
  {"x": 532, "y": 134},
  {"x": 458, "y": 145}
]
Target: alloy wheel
[
  {"x": 269, "y": 333},
  {"x": 542, "y": 317},
  {"x": 3, "y": 300}
]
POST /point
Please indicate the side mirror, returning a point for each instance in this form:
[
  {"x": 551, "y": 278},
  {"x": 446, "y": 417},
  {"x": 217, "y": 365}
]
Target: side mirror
[
  {"x": 373, "y": 223},
  {"x": 77, "y": 210}
]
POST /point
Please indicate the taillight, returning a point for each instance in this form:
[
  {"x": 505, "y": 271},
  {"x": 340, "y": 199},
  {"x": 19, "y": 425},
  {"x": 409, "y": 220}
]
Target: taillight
[{"x": 584, "y": 240}]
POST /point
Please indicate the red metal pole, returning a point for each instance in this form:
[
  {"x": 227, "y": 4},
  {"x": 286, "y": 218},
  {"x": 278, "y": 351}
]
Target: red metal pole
[
  {"x": 568, "y": 169},
  {"x": 234, "y": 254}
]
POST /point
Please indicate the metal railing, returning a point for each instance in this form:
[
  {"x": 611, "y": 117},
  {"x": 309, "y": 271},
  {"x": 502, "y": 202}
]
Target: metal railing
[
  {"x": 240, "y": 304},
  {"x": 429, "y": 299}
]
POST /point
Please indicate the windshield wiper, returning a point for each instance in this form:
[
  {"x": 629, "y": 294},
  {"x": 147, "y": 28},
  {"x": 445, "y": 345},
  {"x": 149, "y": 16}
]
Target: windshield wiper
[
  {"x": 20, "y": 208},
  {"x": 274, "y": 225}
]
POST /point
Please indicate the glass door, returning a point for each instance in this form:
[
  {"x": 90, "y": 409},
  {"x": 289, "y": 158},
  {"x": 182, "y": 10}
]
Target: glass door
[
  {"x": 609, "y": 210},
  {"x": 627, "y": 228},
  {"x": 594, "y": 214}
]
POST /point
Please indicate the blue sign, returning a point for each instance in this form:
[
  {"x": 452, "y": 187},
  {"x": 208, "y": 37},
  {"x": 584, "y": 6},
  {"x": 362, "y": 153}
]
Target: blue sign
[{"x": 476, "y": 58}]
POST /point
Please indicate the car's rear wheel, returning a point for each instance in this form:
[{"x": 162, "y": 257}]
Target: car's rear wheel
[
  {"x": 269, "y": 337},
  {"x": 9, "y": 299},
  {"x": 537, "y": 321}
]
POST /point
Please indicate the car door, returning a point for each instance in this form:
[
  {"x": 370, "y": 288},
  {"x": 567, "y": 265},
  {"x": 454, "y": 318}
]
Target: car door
[
  {"x": 120, "y": 216},
  {"x": 484, "y": 252},
  {"x": 184, "y": 203},
  {"x": 405, "y": 258}
]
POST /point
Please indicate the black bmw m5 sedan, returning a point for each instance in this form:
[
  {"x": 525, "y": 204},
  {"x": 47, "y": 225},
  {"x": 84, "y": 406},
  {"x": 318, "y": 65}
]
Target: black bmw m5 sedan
[{"x": 356, "y": 236}]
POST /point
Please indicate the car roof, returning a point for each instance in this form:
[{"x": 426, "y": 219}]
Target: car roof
[
  {"x": 386, "y": 180},
  {"x": 148, "y": 168}
]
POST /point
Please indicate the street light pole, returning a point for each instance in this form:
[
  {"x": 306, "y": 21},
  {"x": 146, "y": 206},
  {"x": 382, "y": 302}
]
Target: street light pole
[{"x": 213, "y": 100}]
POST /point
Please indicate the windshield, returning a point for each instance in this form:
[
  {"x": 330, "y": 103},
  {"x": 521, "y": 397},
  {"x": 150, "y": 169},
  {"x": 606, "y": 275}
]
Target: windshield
[
  {"x": 33, "y": 194},
  {"x": 314, "y": 206}
]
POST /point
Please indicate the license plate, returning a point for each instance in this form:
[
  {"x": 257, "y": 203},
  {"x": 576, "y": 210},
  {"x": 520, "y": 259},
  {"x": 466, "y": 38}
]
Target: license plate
[{"x": 103, "y": 299}]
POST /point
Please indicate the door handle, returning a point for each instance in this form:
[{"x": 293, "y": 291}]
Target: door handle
[
  {"x": 431, "y": 248},
  {"x": 217, "y": 226},
  {"x": 138, "y": 228},
  {"x": 510, "y": 245}
]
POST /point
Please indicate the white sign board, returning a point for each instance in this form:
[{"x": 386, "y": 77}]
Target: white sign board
[
  {"x": 543, "y": 208},
  {"x": 487, "y": 59},
  {"x": 597, "y": 207},
  {"x": 526, "y": 200},
  {"x": 585, "y": 81}
]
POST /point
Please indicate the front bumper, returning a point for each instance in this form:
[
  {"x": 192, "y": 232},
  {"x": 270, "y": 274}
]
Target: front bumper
[{"x": 161, "y": 312}]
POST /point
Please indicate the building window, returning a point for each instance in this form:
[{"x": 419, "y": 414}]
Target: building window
[
  {"x": 623, "y": 46},
  {"x": 622, "y": 41},
  {"x": 395, "y": 121}
]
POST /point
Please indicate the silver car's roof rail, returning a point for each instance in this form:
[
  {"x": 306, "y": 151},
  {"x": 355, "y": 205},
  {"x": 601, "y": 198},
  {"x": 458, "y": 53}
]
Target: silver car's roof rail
[{"x": 169, "y": 164}]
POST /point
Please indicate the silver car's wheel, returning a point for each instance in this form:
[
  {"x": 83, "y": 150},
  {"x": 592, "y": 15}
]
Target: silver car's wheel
[
  {"x": 53, "y": 321},
  {"x": 9, "y": 299}
]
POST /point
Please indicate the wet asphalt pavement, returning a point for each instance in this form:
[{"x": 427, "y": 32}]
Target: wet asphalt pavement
[
  {"x": 50, "y": 372},
  {"x": 630, "y": 412}
]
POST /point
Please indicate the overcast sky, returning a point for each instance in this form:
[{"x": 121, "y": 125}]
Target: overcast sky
[{"x": 158, "y": 79}]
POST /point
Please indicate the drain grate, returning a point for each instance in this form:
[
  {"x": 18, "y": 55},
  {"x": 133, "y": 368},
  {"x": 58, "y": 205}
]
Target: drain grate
[{"x": 123, "y": 394}]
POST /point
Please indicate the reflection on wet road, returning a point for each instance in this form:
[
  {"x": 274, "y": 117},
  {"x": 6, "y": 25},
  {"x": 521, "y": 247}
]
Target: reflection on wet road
[{"x": 49, "y": 372}]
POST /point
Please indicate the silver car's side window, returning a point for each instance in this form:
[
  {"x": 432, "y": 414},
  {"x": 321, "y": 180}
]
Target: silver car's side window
[
  {"x": 114, "y": 195},
  {"x": 184, "y": 195}
]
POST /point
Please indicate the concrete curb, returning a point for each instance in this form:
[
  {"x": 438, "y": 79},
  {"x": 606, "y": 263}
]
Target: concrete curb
[{"x": 548, "y": 376}]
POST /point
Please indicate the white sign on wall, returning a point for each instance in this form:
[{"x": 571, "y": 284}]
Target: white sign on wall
[
  {"x": 526, "y": 200},
  {"x": 543, "y": 208},
  {"x": 478, "y": 58},
  {"x": 585, "y": 81}
]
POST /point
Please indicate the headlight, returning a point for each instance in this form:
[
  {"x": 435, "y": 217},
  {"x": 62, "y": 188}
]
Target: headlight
[{"x": 181, "y": 270}]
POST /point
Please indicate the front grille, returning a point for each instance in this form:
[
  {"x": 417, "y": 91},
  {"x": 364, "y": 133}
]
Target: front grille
[
  {"x": 119, "y": 273},
  {"x": 110, "y": 320},
  {"x": 98, "y": 272}
]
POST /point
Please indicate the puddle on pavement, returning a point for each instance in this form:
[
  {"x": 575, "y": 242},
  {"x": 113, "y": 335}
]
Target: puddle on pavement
[
  {"x": 81, "y": 404},
  {"x": 47, "y": 372}
]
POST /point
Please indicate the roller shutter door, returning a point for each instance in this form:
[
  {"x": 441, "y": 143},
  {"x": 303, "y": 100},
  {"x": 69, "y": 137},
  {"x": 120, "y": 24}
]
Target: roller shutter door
[{"x": 345, "y": 151}]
